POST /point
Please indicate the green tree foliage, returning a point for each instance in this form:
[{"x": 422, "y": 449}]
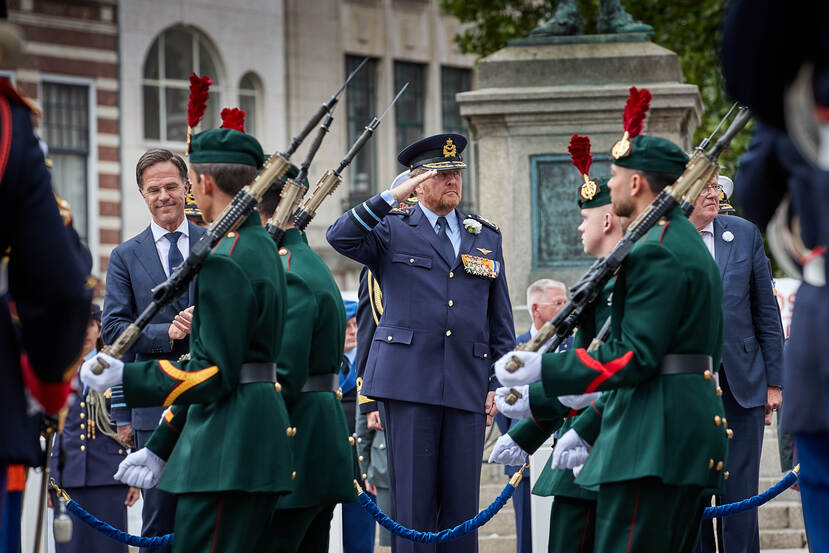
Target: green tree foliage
[{"x": 691, "y": 28}]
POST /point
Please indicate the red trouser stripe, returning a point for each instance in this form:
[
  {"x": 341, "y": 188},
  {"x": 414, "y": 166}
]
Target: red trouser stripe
[
  {"x": 633, "y": 521},
  {"x": 216, "y": 528},
  {"x": 584, "y": 533}
]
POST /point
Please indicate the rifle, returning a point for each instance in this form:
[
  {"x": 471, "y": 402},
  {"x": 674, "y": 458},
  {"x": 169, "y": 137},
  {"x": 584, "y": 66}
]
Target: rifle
[
  {"x": 229, "y": 219},
  {"x": 332, "y": 179},
  {"x": 684, "y": 191},
  {"x": 294, "y": 189}
]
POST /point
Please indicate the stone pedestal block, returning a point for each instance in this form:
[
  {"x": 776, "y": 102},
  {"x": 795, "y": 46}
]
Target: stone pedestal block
[{"x": 529, "y": 101}]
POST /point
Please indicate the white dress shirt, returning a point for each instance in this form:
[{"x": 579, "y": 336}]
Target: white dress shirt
[
  {"x": 162, "y": 245},
  {"x": 707, "y": 233}
]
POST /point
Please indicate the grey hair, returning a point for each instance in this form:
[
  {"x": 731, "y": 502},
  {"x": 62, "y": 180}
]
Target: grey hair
[{"x": 539, "y": 287}]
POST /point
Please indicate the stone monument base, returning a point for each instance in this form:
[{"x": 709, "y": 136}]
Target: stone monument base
[{"x": 529, "y": 101}]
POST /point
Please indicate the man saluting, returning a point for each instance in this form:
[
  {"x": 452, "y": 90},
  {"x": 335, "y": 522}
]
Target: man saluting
[{"x": 447, "y": 316}]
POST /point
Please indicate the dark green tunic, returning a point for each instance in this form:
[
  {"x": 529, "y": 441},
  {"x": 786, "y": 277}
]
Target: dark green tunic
[{"x": 239, "y": 318}]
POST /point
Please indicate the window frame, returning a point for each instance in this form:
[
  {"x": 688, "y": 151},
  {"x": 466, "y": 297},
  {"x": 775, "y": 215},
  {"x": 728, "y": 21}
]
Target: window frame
[
  {"x": 92, "y": 215},
  {"x": 163, "y": 83},
  {"x": 257, "y": 94},
  {"x": 417, "y": 87},
  {"x": 352, "y": 124}
]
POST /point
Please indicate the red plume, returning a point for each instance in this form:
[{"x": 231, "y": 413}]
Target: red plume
[
  {"x": 233, "y": 119},
  {"x": 635, "y": 110},
  {"x": 580, "y": 153},
  {"x": 197, "y": 103}
]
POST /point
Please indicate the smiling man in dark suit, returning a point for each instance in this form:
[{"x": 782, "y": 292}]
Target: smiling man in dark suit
[
  {"x": 446, "y": 316},
  {"x": 752, "y": 358},
  {"x": 135, "y": 267}
]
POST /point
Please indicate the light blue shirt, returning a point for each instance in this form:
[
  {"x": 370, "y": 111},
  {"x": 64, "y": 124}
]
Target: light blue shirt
[{"x": 454, "y": 230}]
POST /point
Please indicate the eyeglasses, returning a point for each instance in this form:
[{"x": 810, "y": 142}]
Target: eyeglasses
[
  {"x": 557, "y": 303},
  {"x": 715, "y": 188},
  {"x": 154, "y": 191}
]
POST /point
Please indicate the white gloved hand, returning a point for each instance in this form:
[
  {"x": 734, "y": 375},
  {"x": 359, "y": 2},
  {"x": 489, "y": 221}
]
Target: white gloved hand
[
  {"x": 570, "y": 451},
  {"x": 507, "y": 452},
  {"x": 141, "y": 469},
  {"x": 579, "y": 401},
  {"x": 527, "y": 374},
  {"x": 518, "y": 410},
  {"x": 577, "y": 470},
  {"x": 109, "y": 377}
]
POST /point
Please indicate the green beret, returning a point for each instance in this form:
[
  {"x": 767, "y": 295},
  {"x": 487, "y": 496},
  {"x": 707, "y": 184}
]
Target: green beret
[
  {"x": 654, "y": 154},
  {"x": 595, "y": 193},
  {"x": 226, "y": 146}
]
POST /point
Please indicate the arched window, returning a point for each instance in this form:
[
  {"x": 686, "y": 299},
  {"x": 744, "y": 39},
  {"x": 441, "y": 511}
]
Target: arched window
[
  {"x": 174, "y": 55},
  {"x": 250, "y": 94}
]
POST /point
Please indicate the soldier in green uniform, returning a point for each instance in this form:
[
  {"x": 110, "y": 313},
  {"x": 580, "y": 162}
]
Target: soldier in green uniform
[
  {"x": 309, "y": 362},
  {"x": 573, "y": 514},
  {"x": 663, "y": 443},
  {"x": 227, "y": 470}
]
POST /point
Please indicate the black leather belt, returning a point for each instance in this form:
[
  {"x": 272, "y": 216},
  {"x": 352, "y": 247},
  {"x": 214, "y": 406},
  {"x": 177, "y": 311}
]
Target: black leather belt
[
  {"x": 686, "y": 363},
  {"x": 257, "y": 372},
  {"x": 322, "y": 383}
]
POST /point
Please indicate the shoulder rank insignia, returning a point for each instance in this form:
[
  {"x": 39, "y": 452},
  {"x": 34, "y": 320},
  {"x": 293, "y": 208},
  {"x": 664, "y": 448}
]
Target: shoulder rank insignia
[
  {"x": 490, "y": 224},
  {"x": 401, "y": 210},
  {"x": 480, "y": 266}
]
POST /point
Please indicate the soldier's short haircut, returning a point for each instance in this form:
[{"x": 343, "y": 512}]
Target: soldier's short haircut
[
  {"x": 658, "y": 181},
  {"x": 270, "y": 200},
  {"x": 158, "y": 155},
  {"x": 229, "y": 177},
  {"x": 539, "y": 287}
]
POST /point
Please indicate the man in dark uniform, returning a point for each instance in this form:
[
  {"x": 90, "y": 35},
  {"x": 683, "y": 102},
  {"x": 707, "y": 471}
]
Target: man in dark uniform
[
  {"x": 45, "y": 302},
  {"x": 225, "y": 495},
  {"x": 657, "y": 366},
  {"x": 447, "y": 314}
]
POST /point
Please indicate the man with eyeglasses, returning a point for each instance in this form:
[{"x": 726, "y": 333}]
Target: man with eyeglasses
[
  {"x": 135, "y": 268},
  {"x": 752, "y": 359}
]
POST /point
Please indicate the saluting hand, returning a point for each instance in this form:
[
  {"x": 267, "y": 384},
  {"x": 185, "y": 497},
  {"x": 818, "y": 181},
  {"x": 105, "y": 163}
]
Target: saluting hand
[{"x": 405, "y": 189}]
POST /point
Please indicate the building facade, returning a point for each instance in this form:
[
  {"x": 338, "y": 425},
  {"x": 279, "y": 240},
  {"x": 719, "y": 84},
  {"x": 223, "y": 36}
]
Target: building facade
[{"x": 70, "y": 67}]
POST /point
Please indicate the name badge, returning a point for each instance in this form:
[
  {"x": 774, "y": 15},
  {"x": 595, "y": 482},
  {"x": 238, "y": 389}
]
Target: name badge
[{"x": 480, "y": 266}]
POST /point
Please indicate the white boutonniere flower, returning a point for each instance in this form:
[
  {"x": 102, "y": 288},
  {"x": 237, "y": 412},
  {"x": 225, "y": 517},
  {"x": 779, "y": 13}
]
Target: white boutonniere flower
[
  {"x": 728, "y": 236},
  {"x": 472, "y": 226}
]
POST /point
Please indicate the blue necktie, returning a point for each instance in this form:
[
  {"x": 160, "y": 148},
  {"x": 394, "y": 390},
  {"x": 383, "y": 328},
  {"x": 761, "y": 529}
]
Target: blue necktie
[
  {"x": 174, "y": 259},
  {"x": 445, "y": 242}
]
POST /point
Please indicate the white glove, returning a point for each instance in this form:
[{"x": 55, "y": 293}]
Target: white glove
[
  {"x": 507, "y": 452},
  {"x": 518, "y": 410},
  {"x": 577, "y": 470},
  {"x": 527, "y": 374},
  {"x": 109, "y": 377},
  {"x": 570, "y": 451},
  {"x": 579, "y": 401},
  {"x": 141, "y": 469}
]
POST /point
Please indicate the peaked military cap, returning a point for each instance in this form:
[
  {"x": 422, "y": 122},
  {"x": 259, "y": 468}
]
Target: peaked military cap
[
  {"x": 441, "y": 152},
  {"x": 655, "y": 154},
  {"x": 589, "y": 198},
  {"x": 226, "y": 146}
]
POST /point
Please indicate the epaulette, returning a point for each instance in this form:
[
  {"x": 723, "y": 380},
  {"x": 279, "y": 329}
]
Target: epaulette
[
  {"x": 226, "y": 245},
  {"x": 490, "y": 224},
  {"x": 405, "y": 211},
  {"x": 11, "y": 94}
]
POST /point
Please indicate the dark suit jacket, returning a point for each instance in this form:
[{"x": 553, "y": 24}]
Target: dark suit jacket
[
  {"x": 752, "y": 354},
  {"x": 134, "y": 269}
]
